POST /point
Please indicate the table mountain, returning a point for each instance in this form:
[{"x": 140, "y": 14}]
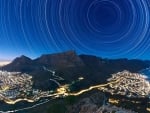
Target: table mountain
[{"x": 70, "y": 66}]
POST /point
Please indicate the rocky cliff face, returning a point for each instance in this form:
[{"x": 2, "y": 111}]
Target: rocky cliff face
[
  {"x": 96, "y": 104},
  {"x": 88, "y": 104},
  {"x": 60, "y": 60}
]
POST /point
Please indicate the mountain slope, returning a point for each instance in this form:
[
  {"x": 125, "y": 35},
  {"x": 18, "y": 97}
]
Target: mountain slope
[{"x": 60, "y": 60}]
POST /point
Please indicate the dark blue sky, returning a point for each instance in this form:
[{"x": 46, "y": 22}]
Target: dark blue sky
[{"x": 107, "y": 28}]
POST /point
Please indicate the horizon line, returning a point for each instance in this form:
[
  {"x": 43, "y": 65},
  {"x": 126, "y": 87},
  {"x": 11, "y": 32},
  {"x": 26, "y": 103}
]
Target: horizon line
[{"x": 32, "y": 58}]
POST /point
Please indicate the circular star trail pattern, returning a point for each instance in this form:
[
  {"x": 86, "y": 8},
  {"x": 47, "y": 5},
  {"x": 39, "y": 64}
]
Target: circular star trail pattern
[{"x": 108, "y": 28}]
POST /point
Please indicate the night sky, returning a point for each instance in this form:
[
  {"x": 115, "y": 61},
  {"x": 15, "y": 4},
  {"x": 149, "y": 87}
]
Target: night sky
[{"x": 106, "y": 28}]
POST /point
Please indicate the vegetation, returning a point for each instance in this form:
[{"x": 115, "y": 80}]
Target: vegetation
[
  {"x": 57, "y": 108},
  {"x": 70, "y": 100},
  {"x": 113, "y": 111}
]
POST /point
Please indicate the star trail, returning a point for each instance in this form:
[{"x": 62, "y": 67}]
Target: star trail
[{"x": 107, "y": 28}]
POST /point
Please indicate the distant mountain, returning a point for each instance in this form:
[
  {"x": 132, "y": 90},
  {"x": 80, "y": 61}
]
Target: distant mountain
[
  {"x": 60, "y": 60},
  {"x": 71, "y": 66},
  {"x": 22, "y": 60},
  {"x": 21, "y": 64}
]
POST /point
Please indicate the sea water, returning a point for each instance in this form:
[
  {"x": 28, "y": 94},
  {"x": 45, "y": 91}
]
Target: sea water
[{"x": 146, "y": 73}]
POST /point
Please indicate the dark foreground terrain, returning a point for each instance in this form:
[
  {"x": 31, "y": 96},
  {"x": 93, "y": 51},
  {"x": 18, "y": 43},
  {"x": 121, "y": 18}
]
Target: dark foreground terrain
[{"x": 91, "y": 102}]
